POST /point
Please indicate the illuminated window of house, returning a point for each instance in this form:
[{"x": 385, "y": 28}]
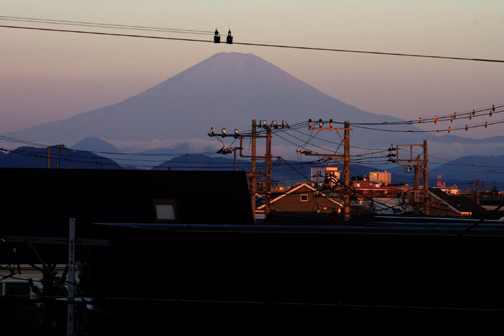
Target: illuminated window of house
[
  {"x": 304, "y": 197},
  {"x": 165, "y": 210}
]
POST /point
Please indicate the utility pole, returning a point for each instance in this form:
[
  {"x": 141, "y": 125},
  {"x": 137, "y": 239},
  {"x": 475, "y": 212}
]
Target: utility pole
[
  {"x": 268, "y": 157},
  {"x": 71, "y": 279},
  {"x": 228, "y": 151},
  {"x": 345, "y": 158},
  {"x": 418, "y": 171},
  {"x": 476, "y": 194},
  {"x": 426, "y": 179},
  {"x": 268, "y": 170},
  {"x": 346, "y": 170},
  {"x": 59, "y": 155},
  {"x": 48, "y": 157},
  {"x": 252, "y": 175}
]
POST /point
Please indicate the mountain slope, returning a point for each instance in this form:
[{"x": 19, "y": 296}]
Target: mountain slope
[{"x": 225, "y": 90}]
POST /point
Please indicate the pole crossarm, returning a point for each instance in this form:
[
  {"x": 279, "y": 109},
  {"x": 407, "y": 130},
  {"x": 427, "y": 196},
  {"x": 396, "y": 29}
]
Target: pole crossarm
[
  {"x": 412, "y": 158},
  {"x": 256, "y": 157},
  {"x": 252, "y": 175},
  {"x": 335, "y": 157},
  {"x": 328, "y": 129}
]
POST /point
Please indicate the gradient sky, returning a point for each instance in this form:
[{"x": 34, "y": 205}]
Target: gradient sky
[{"x": 48, "y": 76}]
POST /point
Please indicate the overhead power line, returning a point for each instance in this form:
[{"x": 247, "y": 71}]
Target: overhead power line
[
  {"x": 103, "y": 25},
  {"x": 261, "y": 44}
]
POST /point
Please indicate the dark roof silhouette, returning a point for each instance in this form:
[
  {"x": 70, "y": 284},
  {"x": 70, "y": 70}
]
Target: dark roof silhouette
[
  {"x": 41, "y": 201},
  {"x": 461, "y": 203}
]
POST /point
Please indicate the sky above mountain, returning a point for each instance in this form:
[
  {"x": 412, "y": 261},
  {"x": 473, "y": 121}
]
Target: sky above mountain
[{"x": 52, "y": 76}]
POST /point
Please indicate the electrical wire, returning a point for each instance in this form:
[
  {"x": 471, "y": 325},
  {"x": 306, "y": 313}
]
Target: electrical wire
[
  {"x": 260, "y": 44},
  {"x": 103, "y": 25}
]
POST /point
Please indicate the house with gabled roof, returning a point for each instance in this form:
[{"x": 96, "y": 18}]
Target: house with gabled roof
[
  {"x": 303, "y": 198},
  {"x": 446, "y": 205}
]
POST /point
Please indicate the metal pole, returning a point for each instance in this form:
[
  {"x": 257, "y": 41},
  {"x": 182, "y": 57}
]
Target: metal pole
[
  {"x": 416, "y": 183},
  {"x": 253, "y": 180},
  {"x": 71, "y": 278},
  {"x": 426, "y": 179},
  {"x": 346, "y": 170},
  {"x": 59, "y": 156},
  {"x": 235, "y": 158},
  {"x": 268, "y": 170}
]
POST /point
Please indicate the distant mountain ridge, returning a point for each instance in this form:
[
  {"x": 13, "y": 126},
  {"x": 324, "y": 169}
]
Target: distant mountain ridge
[
  {"x": 229, "y": 90},
  {"x": 34, "y": 157},
  {"x": 225, "y": 90},
  {"x": 489, "y": 169}
]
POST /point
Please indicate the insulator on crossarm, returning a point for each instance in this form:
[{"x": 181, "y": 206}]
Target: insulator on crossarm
[
  {"x": 211, "y": 132},
  {"x": 448, "y": 130},
  {"x": 493, "y": 108},
  {"x": 470, "y": 116},
  {"x": 435, "y": 120},
  {"x": 451, "y": 119},
  {"x": 454, "y": 115},
  {"x": 485, "y": 124},
  {"x": 419, "y": 120},
  {"x": 330, "y": 123},
  {"x": 274, "y": 124},
  {"x": 320, "y": 123},
  {"x": 216, "y": 36},
  {"x": 223, "y": 132},
  {"x": 309, "y": 123},
  {"x": 474, "y": 112},
  {"x": 229, "y": 38},
  {"x": 467, "y": 128},
  {"x": 284, "y": 124}
]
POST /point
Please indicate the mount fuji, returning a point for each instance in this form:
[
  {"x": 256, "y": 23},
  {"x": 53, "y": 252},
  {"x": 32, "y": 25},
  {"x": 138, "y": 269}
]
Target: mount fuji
[{"x": 225, "y": 90}]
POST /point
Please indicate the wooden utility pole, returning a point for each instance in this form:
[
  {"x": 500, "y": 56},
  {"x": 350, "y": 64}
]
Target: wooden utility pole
[
  {"x": 234, "y": 161},
  {"x": 71, "y": 279},
  {"x": 268, "y": 157},
  {"x": 268, "y": 170},
  {"x": 426, "y": 179},
  {"x": 346, "y": 170},
  {"x": 418, "y": 161},
  {"x": 59, "y": 155},
  {"x": 252, "y": 175},
  {"x": 476, "y": 194},
  {"x": 345, "y": 158}
]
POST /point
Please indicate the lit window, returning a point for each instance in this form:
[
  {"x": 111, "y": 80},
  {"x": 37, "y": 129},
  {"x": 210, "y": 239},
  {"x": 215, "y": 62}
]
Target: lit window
[{"x": 165, "y": 210}]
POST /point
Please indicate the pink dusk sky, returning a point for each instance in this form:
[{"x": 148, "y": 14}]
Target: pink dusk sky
[{"x": 48, "y": 76}]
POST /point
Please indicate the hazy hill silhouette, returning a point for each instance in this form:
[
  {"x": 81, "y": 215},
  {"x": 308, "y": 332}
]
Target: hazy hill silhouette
[
  {"x": 96, "y": 145},
  {"x": 33, "y": 157}
]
